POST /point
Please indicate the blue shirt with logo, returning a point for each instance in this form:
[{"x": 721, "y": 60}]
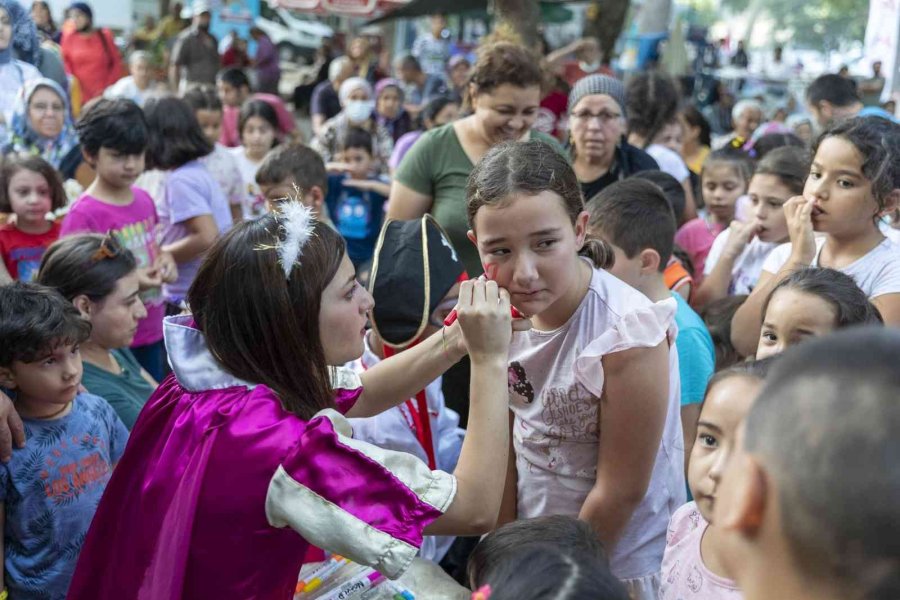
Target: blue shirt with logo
[
  {"x": 50, "y": 491},
  {"x": 357, "y": 216}
]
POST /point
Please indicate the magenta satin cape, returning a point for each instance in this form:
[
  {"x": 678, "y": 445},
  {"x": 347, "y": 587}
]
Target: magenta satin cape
[{"x": 184, "y": 513}]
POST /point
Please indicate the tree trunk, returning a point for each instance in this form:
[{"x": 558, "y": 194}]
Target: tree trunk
[
  {"x": 604, "y": 20},
  {"x": 522, "y": 16}
]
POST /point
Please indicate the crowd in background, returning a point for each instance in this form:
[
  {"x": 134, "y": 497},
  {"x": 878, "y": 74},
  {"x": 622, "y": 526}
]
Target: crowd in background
[{"x": 667, "y": 246}]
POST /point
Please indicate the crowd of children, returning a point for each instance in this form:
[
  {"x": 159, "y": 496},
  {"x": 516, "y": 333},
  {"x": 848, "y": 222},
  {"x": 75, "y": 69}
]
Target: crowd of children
[{"x": 235, "y": 306}]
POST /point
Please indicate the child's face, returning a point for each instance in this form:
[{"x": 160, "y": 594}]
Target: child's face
[
  {"x": 670, "y": 136},
  {"x": 116, "y": 169},
  {"x": 768, "y": 195},
  {"x": 359, "y": 162},
  {"x": 114, "y": 319},
  {"x": 230, "y": 95},
  {"x": 53, "y": 378},
  {"x": 529, "y": 246},
  {"x": 724, "y": 408},
  {"x": 343, "y": 316},
  {"x": 844, "y": 203},
  {"x": 722, "y": 186},
  {"x": 258, "y": 137},
  {"x": 211, "y": 124},
  {"x": 791, "y": 317},
  {"x": 388, "y": 104},
  {"x": 443, "y": 310},
  {"x": 30, "y": 196}
]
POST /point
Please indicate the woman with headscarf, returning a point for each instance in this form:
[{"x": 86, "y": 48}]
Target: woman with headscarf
[
  {"x": 389, "y": 110},
  {"x": 357, "y": 110},
  {"x": 15, "y": 70},
  {"x": 40, "y": 14},
  {"x": 90, "y": 54},
  {"x": 41, "y": 125}
]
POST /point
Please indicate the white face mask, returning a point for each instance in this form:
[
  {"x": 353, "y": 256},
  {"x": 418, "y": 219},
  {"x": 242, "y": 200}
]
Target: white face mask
[{"x": 359, "y": 110}]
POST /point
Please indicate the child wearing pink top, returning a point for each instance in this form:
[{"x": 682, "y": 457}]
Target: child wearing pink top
[
  {"x": 725, "y": 177},
  {"x": 113, "y": 135},
  {"x": 692, "y": 567}
]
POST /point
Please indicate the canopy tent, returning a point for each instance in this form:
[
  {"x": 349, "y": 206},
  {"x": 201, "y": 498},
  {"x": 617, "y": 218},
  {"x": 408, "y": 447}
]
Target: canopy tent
[
  {"x": 350, "y": 8},
  {"x": 551, "y": 12}
]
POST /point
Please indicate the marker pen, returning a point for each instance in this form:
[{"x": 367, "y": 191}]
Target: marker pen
[{"x": 354, "y": 588}]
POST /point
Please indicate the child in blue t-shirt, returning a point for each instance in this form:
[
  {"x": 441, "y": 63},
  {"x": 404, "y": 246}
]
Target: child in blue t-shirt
[
  {"x": 635, "y": 217},
  {"x": 50, "y": 489},
  {"x": 355, "y": 198}
]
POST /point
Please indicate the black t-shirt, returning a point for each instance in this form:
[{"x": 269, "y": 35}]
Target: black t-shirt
[
  {"x": 325, "y": 101},
  {"x": 629, "y": 160}
]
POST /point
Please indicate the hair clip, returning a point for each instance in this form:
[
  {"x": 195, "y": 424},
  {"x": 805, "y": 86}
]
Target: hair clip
[
  {"x": 297, "y": 223},
  {"x": 109, "y": 248},
  {"x": 482, "y": 593}
]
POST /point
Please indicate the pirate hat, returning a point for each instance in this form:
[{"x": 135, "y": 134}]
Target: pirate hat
[{"x": 414, "y": 267}]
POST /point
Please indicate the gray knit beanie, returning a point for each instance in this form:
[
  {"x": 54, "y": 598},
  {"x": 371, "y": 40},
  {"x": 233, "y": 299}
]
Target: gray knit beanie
[{"x": 598, "y": 84}]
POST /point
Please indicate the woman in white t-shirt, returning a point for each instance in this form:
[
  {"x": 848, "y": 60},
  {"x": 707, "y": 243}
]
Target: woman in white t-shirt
[
  {"x": 853, "y": 181},
  {"x": 258, "y": 128},
  {"x": 736, "y": 258}
]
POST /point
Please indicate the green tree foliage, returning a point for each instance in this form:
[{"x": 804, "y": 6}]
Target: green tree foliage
[{"x": 819, "y": 24}]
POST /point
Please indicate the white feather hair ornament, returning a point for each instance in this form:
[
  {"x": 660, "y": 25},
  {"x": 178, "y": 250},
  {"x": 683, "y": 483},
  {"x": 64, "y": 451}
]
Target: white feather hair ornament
[{"x": 297, "y": 222}]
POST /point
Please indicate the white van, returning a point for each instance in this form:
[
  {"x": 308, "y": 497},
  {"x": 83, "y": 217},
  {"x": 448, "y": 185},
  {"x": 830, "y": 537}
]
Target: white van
[{"x": 297, "y": 35}]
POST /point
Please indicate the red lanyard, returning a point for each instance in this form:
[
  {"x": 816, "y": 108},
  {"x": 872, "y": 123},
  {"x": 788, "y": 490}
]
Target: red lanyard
[{"x": 421, "y": 421}]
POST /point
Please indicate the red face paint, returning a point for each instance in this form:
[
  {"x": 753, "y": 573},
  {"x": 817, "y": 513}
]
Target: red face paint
[{"x": 490, "y": 272}]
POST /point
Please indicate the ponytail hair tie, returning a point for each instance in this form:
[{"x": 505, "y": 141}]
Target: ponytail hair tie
[{"x": 482, "y": 593}]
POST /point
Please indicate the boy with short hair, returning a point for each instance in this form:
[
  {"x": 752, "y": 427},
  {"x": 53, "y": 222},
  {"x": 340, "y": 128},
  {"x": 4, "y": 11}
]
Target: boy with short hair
[
  {"x": 292, "y": 170},
  {"x": 809, "y": 498},
  {"x": 50, "y": 489},
  {"x": 114, "y": 134},
  {"x": 636, "y": 219},
  {"x": 355, "y": 197}
]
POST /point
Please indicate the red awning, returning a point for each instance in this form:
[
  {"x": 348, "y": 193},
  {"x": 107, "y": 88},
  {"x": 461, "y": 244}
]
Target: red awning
[{"x": 359, "y": 8}]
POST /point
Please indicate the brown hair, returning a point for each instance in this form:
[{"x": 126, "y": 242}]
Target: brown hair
[
  {"x": 14, "y": 164},
  {"x": 261, "y": 326},
  {"x": 504, "y": 63},
  {"x": 530, "y": 168}
]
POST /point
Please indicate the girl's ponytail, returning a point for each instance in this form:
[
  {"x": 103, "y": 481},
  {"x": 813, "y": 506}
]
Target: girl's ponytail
[{"x": 600, "y": 252}]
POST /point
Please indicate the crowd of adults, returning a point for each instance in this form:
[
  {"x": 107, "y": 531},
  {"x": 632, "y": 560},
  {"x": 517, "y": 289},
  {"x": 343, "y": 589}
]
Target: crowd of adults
[{"x": 169, "y": 148}]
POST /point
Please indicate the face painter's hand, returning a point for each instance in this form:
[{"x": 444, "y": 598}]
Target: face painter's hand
[{"x": 485, "y": 320}]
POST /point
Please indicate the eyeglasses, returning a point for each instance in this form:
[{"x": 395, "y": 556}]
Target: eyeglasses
[
  {"x": 43, "y": 107},
  {"x": 604, "y": 117}
]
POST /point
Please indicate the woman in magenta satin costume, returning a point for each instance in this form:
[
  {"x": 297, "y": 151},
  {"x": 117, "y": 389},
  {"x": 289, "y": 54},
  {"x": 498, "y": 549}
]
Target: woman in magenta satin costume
[{"x": 243, "y": 458}]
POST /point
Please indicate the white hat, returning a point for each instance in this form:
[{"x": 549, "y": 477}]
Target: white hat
[{"x": 198, "y": 7}]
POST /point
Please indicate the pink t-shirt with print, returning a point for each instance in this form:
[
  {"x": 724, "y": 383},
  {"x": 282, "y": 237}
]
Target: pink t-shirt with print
[
  {"x": 696, "y": 237},
  {"x": 684, "y": 576},
  {"x": 136, "y": 225}
]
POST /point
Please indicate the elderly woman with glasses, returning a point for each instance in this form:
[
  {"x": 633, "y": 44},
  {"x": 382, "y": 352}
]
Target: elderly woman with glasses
[
  {"x": 600, "y": 154},
  {"x": 42, "y": 125}
]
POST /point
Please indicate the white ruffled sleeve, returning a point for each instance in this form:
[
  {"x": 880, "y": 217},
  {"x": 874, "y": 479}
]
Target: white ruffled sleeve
[{"x": 644, "y": 327}]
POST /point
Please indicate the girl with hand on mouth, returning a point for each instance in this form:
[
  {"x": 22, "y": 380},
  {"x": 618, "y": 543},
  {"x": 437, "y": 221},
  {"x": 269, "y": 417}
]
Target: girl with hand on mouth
[
  {"x": 724, "y": 179},
  {"x": 854, "y": 180},
  {"x": 590, "y": 428},
  {"x": 737, "y": 255}
]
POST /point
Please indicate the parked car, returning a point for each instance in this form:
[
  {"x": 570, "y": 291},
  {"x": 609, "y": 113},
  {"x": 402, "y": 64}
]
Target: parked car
[{"x": 296, "y": 35}]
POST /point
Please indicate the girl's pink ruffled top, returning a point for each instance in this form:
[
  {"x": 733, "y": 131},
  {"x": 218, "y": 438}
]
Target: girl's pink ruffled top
[{"x": 221, "y": 492}]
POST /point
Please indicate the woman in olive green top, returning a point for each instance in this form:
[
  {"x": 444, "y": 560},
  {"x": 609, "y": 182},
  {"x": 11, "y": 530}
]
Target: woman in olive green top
[
  {"x": 504, "y": 95},
  {"x": 100, "y": 277}
]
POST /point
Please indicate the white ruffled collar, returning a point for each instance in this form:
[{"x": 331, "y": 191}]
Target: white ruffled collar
[{"x": 193, "y": 364}]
